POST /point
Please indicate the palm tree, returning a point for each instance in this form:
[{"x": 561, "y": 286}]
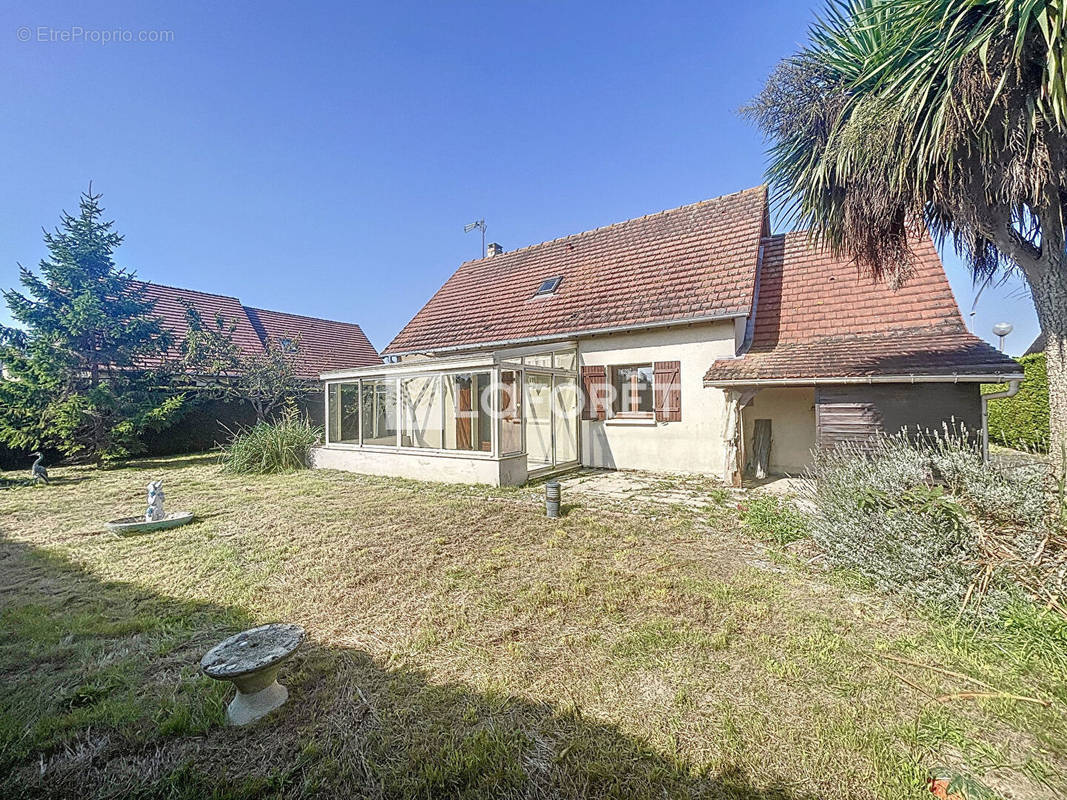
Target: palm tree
[{"x": 946, "y": 113}]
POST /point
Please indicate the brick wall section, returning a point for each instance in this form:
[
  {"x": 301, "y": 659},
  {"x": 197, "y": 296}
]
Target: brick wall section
[{"x": 694, "y": 261}]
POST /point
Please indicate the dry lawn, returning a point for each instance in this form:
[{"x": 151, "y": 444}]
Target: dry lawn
[{"x": 460, "y": 644}]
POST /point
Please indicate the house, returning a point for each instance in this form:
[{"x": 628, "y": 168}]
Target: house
[
  {"x": 1037, "y": 346},
  {"x": 837, "y": 357},
  {"x": 660, "y": 343},
  {"x": 317, "y": 344}
]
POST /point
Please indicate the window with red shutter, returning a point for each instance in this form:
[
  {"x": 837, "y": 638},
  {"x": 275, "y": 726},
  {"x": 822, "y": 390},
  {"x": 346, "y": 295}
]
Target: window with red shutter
[
  {"x": 668, "y": 391},
  {"x": 594, "y": 388}
]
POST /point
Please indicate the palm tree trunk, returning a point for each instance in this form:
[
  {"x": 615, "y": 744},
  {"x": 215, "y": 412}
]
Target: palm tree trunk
[{"x": 1048, "y": 285}]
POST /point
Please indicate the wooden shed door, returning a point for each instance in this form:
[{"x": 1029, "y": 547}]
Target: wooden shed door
[{"x": 846, "y": 414}]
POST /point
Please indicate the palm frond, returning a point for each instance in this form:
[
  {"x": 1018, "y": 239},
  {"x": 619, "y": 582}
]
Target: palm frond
[{"x": 904, "y": 113}]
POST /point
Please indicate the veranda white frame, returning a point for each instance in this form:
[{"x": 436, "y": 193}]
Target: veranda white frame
[{"x": 510, "y": 360}]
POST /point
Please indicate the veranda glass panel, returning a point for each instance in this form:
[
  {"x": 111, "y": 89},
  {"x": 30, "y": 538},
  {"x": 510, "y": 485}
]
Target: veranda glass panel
[
  {"x": 484, "y": 384},
  {"x": 538, "y": 420},
  {"x": 378, "y": 402},
  {"x": 422, "y": 412},
  {"x": 333, "y": 412},
  {"x": 510, "y": 412},
  {"x": 565, "y": 359},
  {"x": 565, "y": 419},
  {"x": 539, "y": 360},
  {"x": 468, "y": 421},
  {"x": 344, "y": 416}
]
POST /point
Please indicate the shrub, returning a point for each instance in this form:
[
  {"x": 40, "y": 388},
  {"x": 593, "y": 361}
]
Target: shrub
[
  {"x": 774, "y": 518},
  {"x": 930, "y": 520},
  {"x": 283, "y": 445},
  {"x": 1022, "y": 421}
]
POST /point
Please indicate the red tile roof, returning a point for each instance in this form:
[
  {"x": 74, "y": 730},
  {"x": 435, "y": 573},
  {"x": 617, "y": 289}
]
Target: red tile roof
[
  {"x": 324, "y": 344},
  {"x": 691, "y": 262},
  {"x": 818, "y": 317},
  {"x": 170, "y": 305}
]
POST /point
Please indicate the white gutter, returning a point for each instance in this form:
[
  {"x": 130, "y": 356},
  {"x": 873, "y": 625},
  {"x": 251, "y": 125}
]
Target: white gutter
[
  {"x": 1011, "y": 391},
  {"x": 565, "y": 335},
  {"x": 412, "y": 367},
  {"x": 1014, "y": 377}
]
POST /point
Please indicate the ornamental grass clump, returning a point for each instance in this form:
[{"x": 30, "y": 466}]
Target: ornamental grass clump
[
  {"x": 926, "y": 518},
  {"x": 282, "y": 445}
]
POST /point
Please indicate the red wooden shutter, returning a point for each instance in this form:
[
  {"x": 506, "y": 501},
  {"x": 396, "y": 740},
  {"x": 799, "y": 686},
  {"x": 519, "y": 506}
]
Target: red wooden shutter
[
  {"x": 667, "y": 391},
  {"x": 594, "y": 385}
]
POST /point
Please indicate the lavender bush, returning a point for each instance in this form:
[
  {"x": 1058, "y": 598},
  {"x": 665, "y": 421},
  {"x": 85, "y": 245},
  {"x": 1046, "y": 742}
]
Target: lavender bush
[{"x": 926, "y": 518}]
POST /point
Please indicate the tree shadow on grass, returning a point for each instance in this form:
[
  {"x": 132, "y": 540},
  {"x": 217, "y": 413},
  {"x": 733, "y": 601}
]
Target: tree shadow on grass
[
  {"x": 103, "y": 698},
  {"x": 55, "y": 480}
]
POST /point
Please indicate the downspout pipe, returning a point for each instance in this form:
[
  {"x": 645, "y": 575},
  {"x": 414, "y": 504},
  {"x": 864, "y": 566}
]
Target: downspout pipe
[{"x": 1011, "y": 391}]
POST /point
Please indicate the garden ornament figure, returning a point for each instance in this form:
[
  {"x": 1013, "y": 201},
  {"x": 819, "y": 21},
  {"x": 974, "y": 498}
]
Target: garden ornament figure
[
  {"x": 37, "y": 470},
  {"x": 154, "y": 513}
]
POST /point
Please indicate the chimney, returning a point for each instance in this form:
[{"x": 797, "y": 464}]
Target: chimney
[{"x": 493, "y": 249}]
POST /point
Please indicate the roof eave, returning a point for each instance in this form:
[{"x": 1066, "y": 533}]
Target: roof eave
[
  {"x": 565, "y": 335},
  {"x": 956, "y": 377}
]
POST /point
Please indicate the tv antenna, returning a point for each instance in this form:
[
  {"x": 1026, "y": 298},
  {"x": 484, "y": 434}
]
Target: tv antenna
[{"x": 480, "y": 225}]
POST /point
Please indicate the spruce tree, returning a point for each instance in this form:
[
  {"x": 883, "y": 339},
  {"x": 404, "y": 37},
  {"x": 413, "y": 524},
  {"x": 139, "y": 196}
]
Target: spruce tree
[{"x": 87, "y": 372}]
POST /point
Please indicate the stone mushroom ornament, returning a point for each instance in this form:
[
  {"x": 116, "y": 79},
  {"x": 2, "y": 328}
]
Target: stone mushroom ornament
[
  {"x": 251, "y": 660},
  {"x": 154, "y": 512}
]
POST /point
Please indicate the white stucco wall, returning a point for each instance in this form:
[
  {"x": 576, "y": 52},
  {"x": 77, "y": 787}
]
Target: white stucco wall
[
  {"x": 692, "y": 445},
  {"x": 444, "y": 468},
  {"x": 792, "y": 415}
]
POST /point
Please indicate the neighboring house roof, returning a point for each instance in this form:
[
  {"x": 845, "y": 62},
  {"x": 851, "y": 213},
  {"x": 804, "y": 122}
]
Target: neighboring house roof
[
  {"x": 170, "y": 302},
  {"x": 689, "y": 263},
  {"x": 323, "y": 344},
  {"x": 817, "y": 317},
  {"x": 1038, "y": 346}
]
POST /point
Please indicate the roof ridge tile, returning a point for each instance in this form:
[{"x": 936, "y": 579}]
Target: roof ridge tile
[{"x": 620, "y": 222}]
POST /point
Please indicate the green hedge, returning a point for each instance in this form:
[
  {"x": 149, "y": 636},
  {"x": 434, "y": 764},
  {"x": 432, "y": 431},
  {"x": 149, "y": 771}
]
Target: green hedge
[{"x": 1022, "y": 421}]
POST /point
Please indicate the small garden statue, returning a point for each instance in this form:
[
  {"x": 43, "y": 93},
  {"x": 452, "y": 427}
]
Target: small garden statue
[
  {"x": 155, "y": 502},
  {"x": 37, "y": 470}
]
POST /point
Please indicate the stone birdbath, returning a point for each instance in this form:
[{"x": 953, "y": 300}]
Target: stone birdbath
[
  {"x": 154, "y": 519},
  {"x": 251, "y": 660}
]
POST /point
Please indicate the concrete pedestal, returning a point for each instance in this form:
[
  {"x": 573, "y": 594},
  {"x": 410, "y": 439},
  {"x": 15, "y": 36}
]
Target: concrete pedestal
[
  {"x": 246, "y": 708},
  {"x": 251, "y": 661}
]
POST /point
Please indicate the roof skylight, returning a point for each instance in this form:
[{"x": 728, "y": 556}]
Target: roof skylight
[{"x": 549, "y": 286}]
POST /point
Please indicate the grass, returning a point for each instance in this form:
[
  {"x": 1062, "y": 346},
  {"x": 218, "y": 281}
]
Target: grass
[
  {"x": 774, "y": 519},
  {"x": 463, "y": 645}
]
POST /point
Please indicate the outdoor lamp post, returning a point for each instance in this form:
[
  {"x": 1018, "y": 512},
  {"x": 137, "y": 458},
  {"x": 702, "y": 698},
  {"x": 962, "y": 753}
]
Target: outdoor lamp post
[{"x": 1002, "y": 329}]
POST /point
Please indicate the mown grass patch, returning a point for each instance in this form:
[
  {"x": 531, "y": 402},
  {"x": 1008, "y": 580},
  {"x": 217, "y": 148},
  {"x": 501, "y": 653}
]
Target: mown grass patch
[{"x": 463, "y": 645}]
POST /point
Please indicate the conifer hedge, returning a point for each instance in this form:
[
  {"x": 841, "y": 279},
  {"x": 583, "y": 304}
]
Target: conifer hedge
[{"x": 1022, "y": 421}]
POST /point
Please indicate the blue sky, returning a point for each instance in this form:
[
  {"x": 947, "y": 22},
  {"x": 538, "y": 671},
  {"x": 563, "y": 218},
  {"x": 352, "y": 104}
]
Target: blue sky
[{"x": 323, "y": 158}]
